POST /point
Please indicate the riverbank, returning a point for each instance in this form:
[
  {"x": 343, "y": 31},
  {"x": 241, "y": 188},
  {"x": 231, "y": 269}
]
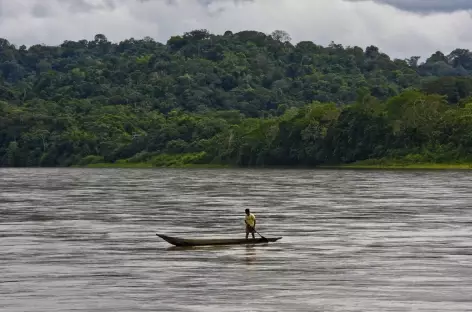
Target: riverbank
[
  {"x": 150, "y": 165},
  {"x": 357, "y": 165},
  {"x": 203, "y": 160},
  {"x": 370, "y": 164},
  {"x": 188, "y": 160}
]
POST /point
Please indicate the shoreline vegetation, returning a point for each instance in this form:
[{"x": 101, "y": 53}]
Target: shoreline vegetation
[
  {"x": 404, "y": 166},
  {"x": 425, "y": 166},
  {"x": 194, "y": 161},
  {"x": 244, "y": 99}
]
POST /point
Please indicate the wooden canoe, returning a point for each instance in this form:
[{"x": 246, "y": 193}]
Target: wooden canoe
[{"x": 177, "y": 241}]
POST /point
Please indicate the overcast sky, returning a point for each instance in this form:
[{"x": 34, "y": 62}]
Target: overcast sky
[{"x": 401, "y": 28}]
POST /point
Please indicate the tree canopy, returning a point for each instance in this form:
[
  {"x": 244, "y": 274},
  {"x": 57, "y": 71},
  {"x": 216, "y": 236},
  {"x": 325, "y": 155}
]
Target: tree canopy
[{"x": 245, "y": 98}]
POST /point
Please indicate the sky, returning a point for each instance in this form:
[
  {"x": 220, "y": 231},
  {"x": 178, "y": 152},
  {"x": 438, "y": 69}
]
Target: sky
[{"x": 400, "y": 28}]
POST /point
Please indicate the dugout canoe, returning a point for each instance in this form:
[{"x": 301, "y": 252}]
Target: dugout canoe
[{"x": 177, "y": 241}]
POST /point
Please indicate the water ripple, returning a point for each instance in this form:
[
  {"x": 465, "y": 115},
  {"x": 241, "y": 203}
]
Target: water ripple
[{"x": 84, "y": 240}]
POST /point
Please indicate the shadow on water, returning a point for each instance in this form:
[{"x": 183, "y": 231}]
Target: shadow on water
[{"x": 215, "y": 247}]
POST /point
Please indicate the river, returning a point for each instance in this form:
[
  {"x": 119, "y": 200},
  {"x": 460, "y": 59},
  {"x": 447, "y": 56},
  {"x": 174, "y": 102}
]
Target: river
[{"x": 84, "y": 240}]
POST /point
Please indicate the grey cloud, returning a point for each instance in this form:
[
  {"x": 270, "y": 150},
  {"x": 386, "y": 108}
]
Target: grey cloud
[
  {"x": 85, "y": 6},
  {"x": 204, "y": 3},
  {"x": 372, "y": 22},
  {"x": 426, "y": 6},
  {"x": 40, "y": 10},
  {"x": 11, "y": 9}
]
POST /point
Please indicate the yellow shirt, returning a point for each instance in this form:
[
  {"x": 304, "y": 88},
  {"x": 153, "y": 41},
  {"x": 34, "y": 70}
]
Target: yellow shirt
[{"x": 251, "y": 219}]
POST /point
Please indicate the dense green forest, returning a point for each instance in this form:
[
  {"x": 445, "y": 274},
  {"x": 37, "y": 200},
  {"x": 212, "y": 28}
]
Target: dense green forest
[{"x": 247, "y": 98}]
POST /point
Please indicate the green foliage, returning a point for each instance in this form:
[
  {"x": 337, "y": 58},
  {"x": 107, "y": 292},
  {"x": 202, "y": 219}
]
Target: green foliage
[
  {"x": 247, "y": 99},
  {"x": 179, "y": 160},
  {"x": 90, "y": 159}
]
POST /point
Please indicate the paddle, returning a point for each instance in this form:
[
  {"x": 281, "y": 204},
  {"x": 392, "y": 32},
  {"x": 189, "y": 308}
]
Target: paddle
[{"x": 263, "y": 238}]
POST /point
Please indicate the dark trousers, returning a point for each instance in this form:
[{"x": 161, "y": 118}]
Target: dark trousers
[{"x": 249, "y": 230}]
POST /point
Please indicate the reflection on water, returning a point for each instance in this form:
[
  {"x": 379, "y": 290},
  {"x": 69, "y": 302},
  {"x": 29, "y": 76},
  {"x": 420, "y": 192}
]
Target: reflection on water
[
  {"x": 250, "y": 255},
  {"x": 84, "y": 240}
]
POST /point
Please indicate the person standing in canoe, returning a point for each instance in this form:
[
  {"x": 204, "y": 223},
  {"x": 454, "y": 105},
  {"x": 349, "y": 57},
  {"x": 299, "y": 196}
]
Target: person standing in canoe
[{"x": 250, "y": 220}]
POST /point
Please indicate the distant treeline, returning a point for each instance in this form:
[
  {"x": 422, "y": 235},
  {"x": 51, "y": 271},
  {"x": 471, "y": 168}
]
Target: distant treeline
[{"x": 241, "y": 99}]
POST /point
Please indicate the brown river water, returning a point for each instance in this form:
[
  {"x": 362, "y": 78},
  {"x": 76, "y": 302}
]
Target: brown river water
[{"x": 84, "y": 240}]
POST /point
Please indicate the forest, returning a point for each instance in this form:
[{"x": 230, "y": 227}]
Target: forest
[{"x": 237, "y": 99}]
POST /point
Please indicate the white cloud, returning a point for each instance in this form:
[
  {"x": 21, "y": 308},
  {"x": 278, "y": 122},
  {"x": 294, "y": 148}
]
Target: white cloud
[{"x": 396, "y": 32}]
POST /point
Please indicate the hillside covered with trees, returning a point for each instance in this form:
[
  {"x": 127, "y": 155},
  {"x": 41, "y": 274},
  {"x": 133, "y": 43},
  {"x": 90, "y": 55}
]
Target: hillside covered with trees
[{"x": 244, "y": 98}]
